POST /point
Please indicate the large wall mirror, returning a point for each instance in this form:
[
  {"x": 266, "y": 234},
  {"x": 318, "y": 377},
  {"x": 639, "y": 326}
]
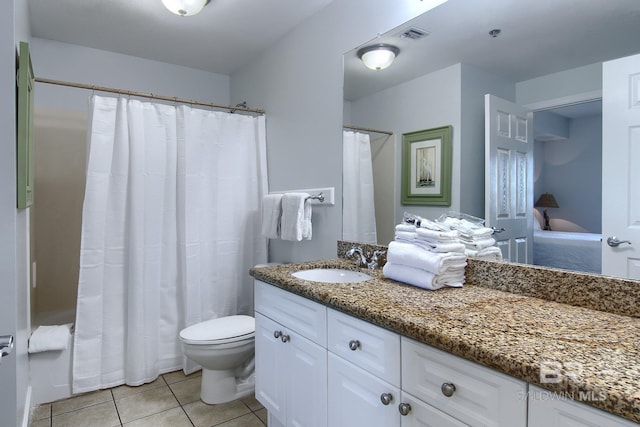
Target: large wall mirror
[{"x": 546, "y": 56}]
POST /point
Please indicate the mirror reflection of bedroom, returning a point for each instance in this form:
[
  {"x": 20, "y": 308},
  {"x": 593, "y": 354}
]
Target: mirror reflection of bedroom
[{"x": 568, "y": 186}]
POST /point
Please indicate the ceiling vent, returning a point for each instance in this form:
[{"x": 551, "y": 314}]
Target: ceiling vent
[{"x": 413, "y": 33}]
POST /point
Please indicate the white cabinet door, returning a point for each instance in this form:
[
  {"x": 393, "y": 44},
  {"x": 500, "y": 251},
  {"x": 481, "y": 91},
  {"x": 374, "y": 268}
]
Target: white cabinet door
[
  {"x": 270, "y": 389},
  {"x": 423, "y": 415},
  {"x": 306, "y": 371},
  {"x": 355, "y": 397},
  {"x": 547, "y": 409}
]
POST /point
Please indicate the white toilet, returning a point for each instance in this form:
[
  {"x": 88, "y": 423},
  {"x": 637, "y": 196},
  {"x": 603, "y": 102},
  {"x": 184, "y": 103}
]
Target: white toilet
[{"x": 224, "y": 347}]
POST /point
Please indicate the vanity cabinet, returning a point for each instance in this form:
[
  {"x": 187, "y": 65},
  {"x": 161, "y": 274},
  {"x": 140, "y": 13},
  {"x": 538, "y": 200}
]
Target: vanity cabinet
[
  {"x": 548, "y": 409},
  {"x": 291, "y": 366},
  {"x": 364, "y": 373}
]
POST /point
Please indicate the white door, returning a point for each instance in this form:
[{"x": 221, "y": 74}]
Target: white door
[
  {"x": 270, "y": 388},
  {"x": 355, "y": 397},
  {"x": 509, "y": 177},
  {"x": 306, "y": 370},
  {"x": 621, "y": 167}
]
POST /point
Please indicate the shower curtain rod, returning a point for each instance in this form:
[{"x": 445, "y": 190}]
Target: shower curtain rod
[
  {"x": 384, "y": 132},
  {"x": 148, "y": 95}
]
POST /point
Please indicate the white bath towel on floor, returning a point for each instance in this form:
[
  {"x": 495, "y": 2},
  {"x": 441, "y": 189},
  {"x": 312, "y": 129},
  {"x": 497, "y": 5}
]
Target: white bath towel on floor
[
  {"x": 417, "y": 257},
  {"x": 421, "y": 278},
  {"x": 271, "y": 213},
  {"x": 296, "y": 219},
  {"x": 46, "y": 338}
]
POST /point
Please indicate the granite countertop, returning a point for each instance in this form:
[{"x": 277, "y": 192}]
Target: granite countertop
[{"x": 511, "y": 333}]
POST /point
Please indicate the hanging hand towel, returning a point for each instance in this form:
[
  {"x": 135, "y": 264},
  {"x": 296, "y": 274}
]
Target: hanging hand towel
[
  {"x": 46, "y": 338},
  {"x": 271, "y": 213},
  {"x": 293, "y": 225}
]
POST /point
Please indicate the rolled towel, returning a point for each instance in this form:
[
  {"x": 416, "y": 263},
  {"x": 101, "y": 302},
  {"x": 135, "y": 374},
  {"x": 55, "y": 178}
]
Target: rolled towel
[
  {"x": 292, "y": 225},
  {"x": 440, "y": 247},
  {"x": 414, "y": 256},
  {"x": 478, "y": 245},
  {"x": 46, "y": 338},
  {"x": 420, "y": 278},
  {"x": 271, "y": 213},
  {"x": 437, "y": 236}
]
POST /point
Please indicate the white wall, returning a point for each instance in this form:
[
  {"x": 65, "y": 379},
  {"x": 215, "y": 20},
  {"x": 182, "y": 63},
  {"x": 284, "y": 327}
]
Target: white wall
[
  {"x": 299, "y": 83},
  {"x": 567, "y": 83},
  {"x": 14, "y": 237},
  {"x": 79, "y": 64},
  {"x": 429, "y": 101}
]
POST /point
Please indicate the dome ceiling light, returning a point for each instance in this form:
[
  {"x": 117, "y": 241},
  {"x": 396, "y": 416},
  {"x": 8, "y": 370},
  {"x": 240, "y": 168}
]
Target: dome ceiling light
[
  {"x": 185, "y": 7},
  {"x": 378, "y": 56}
]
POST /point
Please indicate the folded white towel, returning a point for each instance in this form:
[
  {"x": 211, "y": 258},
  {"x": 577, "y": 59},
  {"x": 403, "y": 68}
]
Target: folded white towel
[
  {"x": 432, "y": 225},
  {"x": 271, "y": 213},
  {"x": 476, "y": 233},
  {"x": 406, "y": 227},
  {"x": 437, "y": 236},
  {"x": 294, "y": 224},
  {"x": 492, "y": 253},
  {"x": 417, "y": 257},
  {"x": 440, "y": 247},
  {"x": 421, "y": 278},
  {"x": 478, "y": 245},
  {"x": 405, "y": 236},
  {"x": 46, "y": 338}
]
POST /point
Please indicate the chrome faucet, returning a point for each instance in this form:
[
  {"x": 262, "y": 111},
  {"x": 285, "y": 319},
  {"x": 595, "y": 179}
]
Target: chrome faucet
[{"x": 362, "y": 259}]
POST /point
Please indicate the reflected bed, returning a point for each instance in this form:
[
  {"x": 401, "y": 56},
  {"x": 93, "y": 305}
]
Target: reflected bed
[{"x": 567, "y": 250}]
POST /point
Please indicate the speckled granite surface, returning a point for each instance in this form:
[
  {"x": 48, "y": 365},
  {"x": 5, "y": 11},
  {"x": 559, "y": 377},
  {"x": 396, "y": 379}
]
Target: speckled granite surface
[{"x": 509, "y": 332}]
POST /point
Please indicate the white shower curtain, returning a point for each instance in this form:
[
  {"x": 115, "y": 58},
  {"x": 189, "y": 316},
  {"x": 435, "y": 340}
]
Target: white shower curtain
[
  {"x": 358, "y": 209},
  {"x": 170, "y": 229}
]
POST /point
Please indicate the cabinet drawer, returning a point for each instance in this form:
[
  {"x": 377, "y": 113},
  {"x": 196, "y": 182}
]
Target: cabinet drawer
[
  {"x": 481, "y": 397},
  {"x": 423, "y": 415},
  {"x": 377, "y": 350},
  {"x": 299, "y": 314}
]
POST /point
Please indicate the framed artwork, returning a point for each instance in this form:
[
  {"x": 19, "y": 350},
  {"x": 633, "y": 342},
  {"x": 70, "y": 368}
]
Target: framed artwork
[{"x": 426, "y": 167}]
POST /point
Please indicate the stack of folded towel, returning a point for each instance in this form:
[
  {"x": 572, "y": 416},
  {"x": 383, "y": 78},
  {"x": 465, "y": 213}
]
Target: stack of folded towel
[
  {"x": 477, "y": 239},
  {"x": 286, "y": 216},
  {"x": 427, "y": 256}
]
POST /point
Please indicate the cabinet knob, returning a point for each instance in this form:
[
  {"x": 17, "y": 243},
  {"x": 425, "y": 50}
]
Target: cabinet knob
[
  {"x": 354, "y": 345},
  {"x": 285, "y": 338},
  {"x": 448, "y": 389},
  {"x": 277, "y": 334},
  {"x": 404, "y": 409},
  {"x": 386, "y": 398}
]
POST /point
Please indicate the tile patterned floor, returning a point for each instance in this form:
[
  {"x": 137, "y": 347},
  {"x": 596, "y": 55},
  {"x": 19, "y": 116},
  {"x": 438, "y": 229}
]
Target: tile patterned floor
[{"x": 173, "y": 400}]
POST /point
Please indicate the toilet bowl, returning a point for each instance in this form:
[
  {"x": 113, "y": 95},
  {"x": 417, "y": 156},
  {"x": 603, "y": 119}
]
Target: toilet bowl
[{"x": 224, "y": 347}]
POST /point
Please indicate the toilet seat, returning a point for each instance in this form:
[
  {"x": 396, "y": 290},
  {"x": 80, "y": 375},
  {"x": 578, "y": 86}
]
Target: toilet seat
[{"x": 220, "y": 331}]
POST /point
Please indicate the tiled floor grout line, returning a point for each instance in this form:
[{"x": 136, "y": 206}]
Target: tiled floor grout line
[{"x": 113, "y": 398}]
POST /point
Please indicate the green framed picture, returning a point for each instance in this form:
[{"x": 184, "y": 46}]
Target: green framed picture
[{"x": 426, "y": 167}]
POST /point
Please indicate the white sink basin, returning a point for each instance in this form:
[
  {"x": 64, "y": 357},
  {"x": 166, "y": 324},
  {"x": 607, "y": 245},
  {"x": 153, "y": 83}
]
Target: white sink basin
[{"x": 331, "y": 275}]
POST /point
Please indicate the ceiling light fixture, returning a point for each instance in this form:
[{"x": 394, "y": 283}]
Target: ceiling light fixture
[
  {"x": 185, "y": 7},
  {"x": 378, "y": 56}
]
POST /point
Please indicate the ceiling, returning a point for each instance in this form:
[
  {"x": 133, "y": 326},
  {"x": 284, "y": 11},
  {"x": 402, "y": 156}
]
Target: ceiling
[
  {"x": 538, "y": 37},
  {"x": 226, "y": 35}
]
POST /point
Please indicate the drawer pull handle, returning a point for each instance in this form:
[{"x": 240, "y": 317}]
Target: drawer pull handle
[
  {"x": 448, "y": 389},
  {"x": 354, "y": 345},
  {"x": 285, "y": 338},
  {"x": 404, "y": 409},
  {"x": 277, "y": 334},
  {"x": 386, "y": 398}
]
